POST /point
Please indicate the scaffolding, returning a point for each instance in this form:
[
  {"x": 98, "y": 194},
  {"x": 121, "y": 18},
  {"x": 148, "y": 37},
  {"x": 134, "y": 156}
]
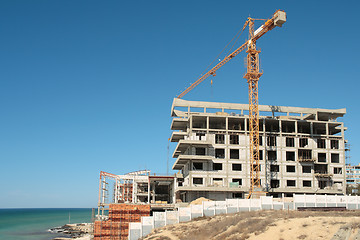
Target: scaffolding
[{"x": 129, "y": 188}]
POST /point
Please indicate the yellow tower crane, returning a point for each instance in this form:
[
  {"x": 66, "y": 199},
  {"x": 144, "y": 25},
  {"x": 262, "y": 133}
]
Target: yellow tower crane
[{"x": 252, "y": 75}]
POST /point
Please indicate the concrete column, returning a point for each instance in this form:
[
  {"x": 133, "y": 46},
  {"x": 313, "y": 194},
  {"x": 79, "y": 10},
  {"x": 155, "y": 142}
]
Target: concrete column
[
  {"x": 246, "y": 180},
  {"x": 174, "y": 190},
  {"x": 227, "y": 124},
  {"x": 191, "y": 123},
  {"x": 190, "y": 173},
  {"x": 153, "y": 195},
  {"x": 342, "y": 147},
  {"x": 280, "y": 127},
  {"x": 264, "y": 126},
  {"x": 150, "y": 188},
  {"x": 327, "y": 129},
  {"x": 245, "y": 125}
]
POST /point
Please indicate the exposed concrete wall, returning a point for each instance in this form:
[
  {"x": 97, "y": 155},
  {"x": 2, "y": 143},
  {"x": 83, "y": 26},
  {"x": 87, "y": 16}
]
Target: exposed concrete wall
[{"x": 300, "y": 154}]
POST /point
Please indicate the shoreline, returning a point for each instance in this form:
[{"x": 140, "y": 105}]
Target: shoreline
[{"x": 80, "y": 231}]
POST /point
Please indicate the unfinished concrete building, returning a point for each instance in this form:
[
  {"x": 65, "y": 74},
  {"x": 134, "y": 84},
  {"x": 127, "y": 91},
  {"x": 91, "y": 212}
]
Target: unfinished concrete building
[
  {"x": 139, "y": 187},
  {"x": 301, "y": 150}
]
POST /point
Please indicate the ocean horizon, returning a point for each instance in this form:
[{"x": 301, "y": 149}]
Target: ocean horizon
[{"x": 34, "y": 223}]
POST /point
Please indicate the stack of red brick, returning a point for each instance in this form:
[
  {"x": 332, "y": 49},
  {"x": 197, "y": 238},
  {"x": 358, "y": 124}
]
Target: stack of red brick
[{"x": 120, "y": 215}]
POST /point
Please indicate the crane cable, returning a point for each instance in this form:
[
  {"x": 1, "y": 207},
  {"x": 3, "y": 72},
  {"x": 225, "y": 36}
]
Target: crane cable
[
  {"x": 211, "y": 81},
  {"x": 240, "y": 31},
  {"x": 235, "y": 42}
]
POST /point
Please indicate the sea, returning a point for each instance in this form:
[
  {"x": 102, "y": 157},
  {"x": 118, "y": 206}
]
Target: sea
[{"x": 34, "y": 223}]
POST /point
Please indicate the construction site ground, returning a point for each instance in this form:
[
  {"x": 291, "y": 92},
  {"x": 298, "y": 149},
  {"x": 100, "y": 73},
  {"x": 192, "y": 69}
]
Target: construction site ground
[{"x": 264, "y": 225}]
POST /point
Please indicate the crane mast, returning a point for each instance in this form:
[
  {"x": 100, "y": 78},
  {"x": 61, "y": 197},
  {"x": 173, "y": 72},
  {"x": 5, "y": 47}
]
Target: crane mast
[{"x": 252, "y": 76}]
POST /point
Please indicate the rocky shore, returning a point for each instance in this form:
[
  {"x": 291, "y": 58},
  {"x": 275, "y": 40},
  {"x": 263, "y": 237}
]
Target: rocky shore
[{"x": 79, "y": 231}]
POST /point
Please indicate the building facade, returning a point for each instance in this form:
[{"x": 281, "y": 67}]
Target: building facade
[
  {"x": 352, "y": 175},
  {"x": 301, "y": 150}
]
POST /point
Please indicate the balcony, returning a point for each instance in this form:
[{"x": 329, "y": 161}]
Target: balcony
[
  {"x": 323, "y": 174},
  {"x": 177, "y": 136},
  {"x": 306, "y": 159},
  {"x": 179, "y": 124},
  {"x": 183, "y": 159},
  {"x": 185, "y": 143}
]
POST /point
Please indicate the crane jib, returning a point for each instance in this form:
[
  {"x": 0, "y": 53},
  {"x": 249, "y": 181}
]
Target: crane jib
[{"x": 278, "y": 19}]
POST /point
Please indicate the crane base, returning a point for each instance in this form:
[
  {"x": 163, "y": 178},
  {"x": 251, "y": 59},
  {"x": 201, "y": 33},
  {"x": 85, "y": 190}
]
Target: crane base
[{"x": 256, "y": 194}]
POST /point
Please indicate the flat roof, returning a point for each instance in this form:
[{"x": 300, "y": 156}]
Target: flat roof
[{"x": 177, "y": 102}]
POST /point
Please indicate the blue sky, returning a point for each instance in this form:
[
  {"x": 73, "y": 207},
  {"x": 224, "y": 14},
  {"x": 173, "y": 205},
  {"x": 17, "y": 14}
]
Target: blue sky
[{"x": 88, "y": 85}]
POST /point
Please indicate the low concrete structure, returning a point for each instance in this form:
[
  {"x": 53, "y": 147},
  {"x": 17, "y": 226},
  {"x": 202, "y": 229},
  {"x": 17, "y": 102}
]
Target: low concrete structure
[
  {"x": 139, "y": 187},
  {"x": 302, "y": 150}
]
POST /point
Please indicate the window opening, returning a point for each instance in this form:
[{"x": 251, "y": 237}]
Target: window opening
[
  {"x": 290, "y": 142},
  {"x": 290, "y": 156},
  {"x": 234, "y": 154},
  {"x": 321, "y": 143},
  {"x": 303, "y": 142},
  {"x": 290, "y": 183},
  {"x": 335, "y": 158},
  {"x": 220, "y": 153},
  {"x": 217, "y": 166},
  {"x": 306, "y": 183},
  {"x": 236, "y": 167},
  {"x": 219, "y": 138},
  {"x": 198, "y": 181},
  {"x": 197, "y": 166},
  {"x": 234, "y": 139},
  {"x": 290, "y": 168}
]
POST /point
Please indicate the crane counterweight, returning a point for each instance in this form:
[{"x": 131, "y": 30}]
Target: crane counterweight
[{"x": 280, "y": 18}]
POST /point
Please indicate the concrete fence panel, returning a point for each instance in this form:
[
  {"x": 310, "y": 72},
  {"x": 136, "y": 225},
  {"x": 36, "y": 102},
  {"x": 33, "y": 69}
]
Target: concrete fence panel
[
  {"x": 244, "y": 205},
  {"x": 209, "y": 208},
  {"x": 232, "y": 205},
  {"x": 266, "y": 202},
  {"x": 299, "y": 201},
  {"x": 310, "y": 201},
  {"x": 147, "y": 225},
  {"x": 330, "y": 201},
  {"x": 278, "y": 206},
  {"x": 255, "y": 204},
  {"x": 220, "y": 207},
  {"x": 184, "y": 214},
  {"x": 135, "y": 231},
  {"x": 159, "y": 219},
  {"x": 341, "y": 201},
  {"x": 196, "y": 211},
  {"x": 171, "y": 217},
  {"x": 320, "y": 200},
  {"x": 352, "y": 203}
]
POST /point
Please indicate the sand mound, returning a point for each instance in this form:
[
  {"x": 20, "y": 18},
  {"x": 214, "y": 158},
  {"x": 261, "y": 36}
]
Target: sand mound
[{"x": 199, "y": 201}]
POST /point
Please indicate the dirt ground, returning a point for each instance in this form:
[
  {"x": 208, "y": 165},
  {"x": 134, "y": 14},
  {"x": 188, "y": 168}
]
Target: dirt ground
[{"x": 266, "y": 225}]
